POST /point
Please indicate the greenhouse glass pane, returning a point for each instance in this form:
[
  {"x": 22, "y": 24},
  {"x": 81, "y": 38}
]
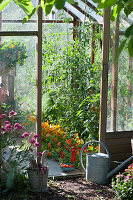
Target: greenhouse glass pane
[
  {"x": 17, "y": 75},
  {"x": 57, "y": 15},
  {"x": 12, "y": 17},
  {"x": 124, "y": 117}
]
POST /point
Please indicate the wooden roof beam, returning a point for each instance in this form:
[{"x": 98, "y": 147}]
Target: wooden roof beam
[
  {"x": 71, "y": 13},
  {"x": 83, "y": 12},
  {"x": 90, "y": 5}
]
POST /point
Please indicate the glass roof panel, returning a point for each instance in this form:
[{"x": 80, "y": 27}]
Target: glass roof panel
[{"x": 87, "y": 10}]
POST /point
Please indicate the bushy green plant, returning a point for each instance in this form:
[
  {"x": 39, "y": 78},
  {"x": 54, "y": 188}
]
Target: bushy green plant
[
  {"x": 12, "y": 52},
  {"x": 123, "y": 185}
]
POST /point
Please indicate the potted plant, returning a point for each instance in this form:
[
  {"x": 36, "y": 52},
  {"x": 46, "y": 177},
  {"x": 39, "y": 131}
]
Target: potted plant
[
  {"x": 18, "y": 148},
  {"x": 11, "y": 52}
]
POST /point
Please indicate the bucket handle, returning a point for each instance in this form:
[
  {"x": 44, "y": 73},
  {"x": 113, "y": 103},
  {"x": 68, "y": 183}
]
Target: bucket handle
[{"x": 93, "y": 141}]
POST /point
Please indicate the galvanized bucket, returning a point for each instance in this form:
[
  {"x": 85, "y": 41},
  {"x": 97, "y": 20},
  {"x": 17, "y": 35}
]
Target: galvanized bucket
[
  {"x": 97, "y": 164},
  {"x": 38, "y": 179}
]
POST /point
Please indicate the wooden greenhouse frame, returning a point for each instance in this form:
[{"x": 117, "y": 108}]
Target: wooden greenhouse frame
[{"x": 119, "y": 143}]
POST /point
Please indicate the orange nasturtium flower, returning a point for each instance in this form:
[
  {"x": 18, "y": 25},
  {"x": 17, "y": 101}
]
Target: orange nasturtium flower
[
  {"x": 55, "y": 140},
  {"x": 49, "y": 145},
  {"x": 58, "y": 144},
  {"x": 76, "y": 134},
  {"x": 47, "y": 135},
  {"x": 48, "y": 153},
  {"x": 58, "y": 149},
  {"x": 68, "y": 141}
]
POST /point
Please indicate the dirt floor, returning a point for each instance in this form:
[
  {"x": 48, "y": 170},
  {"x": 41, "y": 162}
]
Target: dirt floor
[{"x": 70, "y": 189}]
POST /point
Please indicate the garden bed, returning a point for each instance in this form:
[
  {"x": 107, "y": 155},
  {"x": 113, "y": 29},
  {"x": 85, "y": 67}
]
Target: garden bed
[{"x": 77, "y": 189}]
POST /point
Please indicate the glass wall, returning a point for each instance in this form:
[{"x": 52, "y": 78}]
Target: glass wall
[{"x": 124, "y": 113}]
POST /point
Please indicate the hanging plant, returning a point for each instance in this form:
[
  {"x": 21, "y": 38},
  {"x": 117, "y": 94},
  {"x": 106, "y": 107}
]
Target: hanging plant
[{"x": 12, "y": 52}]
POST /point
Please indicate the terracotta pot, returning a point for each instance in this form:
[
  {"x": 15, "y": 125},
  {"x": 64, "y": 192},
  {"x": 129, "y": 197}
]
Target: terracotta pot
[{"x": 38, "y": 179}]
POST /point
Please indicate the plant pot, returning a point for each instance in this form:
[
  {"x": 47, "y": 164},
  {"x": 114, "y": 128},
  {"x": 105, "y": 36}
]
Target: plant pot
[
  {"x": 67, "y": 167},
  {"x": 6, "y": 71},
  {"x": 38, "y": 179}
]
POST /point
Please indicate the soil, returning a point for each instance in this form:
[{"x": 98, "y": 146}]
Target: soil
[{"x": 70, "y": 189}]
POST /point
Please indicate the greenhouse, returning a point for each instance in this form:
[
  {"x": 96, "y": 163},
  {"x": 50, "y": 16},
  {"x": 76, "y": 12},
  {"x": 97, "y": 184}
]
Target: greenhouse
[{"x": 66, "y": 89}]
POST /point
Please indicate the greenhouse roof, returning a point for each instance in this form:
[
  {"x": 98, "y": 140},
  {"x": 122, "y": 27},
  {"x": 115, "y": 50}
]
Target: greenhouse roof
[{"x": 85, "y": 11}]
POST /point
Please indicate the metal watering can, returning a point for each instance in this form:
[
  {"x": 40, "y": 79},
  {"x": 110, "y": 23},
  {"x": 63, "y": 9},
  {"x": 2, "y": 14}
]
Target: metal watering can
[{"x": 98, "y": 165}]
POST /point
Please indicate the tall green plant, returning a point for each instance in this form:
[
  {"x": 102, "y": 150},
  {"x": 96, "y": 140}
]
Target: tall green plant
[{"x": 71, "y": 84}]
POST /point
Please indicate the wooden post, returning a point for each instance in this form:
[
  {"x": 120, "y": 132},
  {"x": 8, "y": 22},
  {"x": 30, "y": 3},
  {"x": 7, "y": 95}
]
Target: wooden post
[
  {"x": 114, "y": 76},
  {"x": 92, "y": 43},
  {"x": 39, "y": 74},
  {"x": 75, "y": 26},
  {"x": 104, "y": 77},
  {"x": 11, "y": 88}
]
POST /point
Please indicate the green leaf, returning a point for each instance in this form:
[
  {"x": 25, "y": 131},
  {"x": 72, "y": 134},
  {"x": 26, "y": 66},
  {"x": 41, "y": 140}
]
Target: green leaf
[
  {"x": 129, "y": 31},
  {"x": 1, "y": 1},
  {"x": 26, "y": 5},
  {"x": 25, "y": 19},
  {"x": 4, "y": 4},
  {"x": 59, "y": 4},
  {"x": 106, "y": 3},
  {"x": 71, "y": 1},
  {"x": 78, "y": 113},
  {"x": 96, "y": 1},
  {"x": 119, "y": 50},
  {"x": 130, "y": 46},
  {"x": 114, "y": 13},
  {"x": 47, "y": 8}
]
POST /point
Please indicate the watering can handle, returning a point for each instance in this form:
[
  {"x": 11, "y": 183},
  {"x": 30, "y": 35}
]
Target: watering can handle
[{"x": 93, "y": 141}]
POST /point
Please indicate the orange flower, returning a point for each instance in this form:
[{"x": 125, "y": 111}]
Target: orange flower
[
  {"x": 86, "y": 151},
  {"x": 24, "y": 124},
  {"x": 58, "y": 144},
  {"x": 47, "y": 135},
  {"x": 96, "y": 148},
  {"x": 58, "y": 149},
  {"x": 55, "y": 140},
  {"x": 49, "y": 145},
  {"x": 69, "y": 141},
  {"x": 76, "y": 134},
  {"x": 32, "y": 118},
  {"x": 48, "y": 153},
  {"x": 78, "y": 141}
]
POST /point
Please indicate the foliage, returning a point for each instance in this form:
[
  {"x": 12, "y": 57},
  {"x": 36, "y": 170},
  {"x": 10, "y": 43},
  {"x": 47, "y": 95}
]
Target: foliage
[
  {"x": 118, "y": 6},
  {"x": 71, "y": 84},
  {"x": 124, "y": 184},
  {"x": 12, "y": 52},
  {"x": 125, "y": 5}
]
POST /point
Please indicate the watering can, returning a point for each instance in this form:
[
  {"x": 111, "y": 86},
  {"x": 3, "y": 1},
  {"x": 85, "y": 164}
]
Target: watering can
[{"x": 98, "y": 165}]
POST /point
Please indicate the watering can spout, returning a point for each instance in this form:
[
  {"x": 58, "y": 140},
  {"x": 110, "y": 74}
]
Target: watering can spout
[{"x": 119, "y": 167}]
